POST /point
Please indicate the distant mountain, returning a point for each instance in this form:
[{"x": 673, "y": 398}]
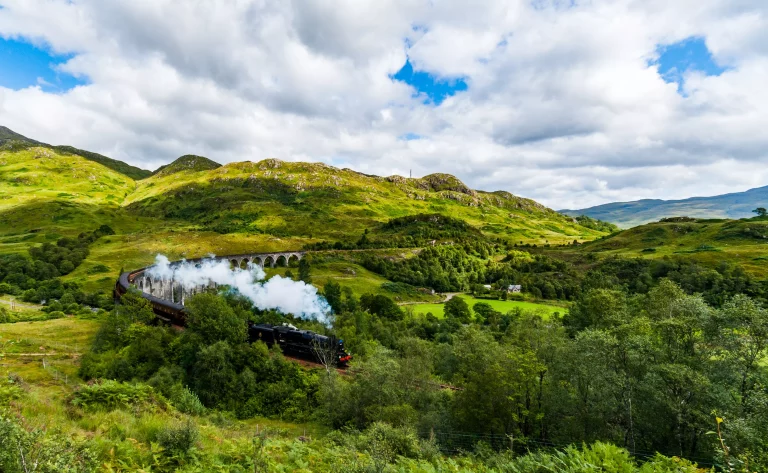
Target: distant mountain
[
  {"x": 630, "y": 214},
  {"x": 9, "y": 137}
]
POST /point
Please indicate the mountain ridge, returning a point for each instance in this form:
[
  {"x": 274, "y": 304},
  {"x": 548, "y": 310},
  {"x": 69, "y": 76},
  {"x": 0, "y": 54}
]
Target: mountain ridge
[
  {"x": 733, "y": 205},
  {"x": 9, "y": 138}
]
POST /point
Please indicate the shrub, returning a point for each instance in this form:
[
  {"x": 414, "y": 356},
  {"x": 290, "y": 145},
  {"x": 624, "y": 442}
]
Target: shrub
[
  {"x": 10, "y": 390},
  {"x": 109, "y": 395},
  {"x": 56, "y": 314},
  {"x": 99, "y": 268},
  {"x": 187, "y": 401},
  {"x": 5, "y": 316},
  {"x": 383, "y": 439},
  {"x": 178, "y": 440}
]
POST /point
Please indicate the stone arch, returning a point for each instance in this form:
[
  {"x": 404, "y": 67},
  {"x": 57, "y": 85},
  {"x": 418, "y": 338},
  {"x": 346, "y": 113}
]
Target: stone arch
[
  {"x": 269, "y": 261},
  {"x": 148, "y": 285},
  {"x": 233, "y": 264},
  {"x": 257, "y": 261},
  {"x": 281, "y": 261},
  {"x": 293, "y": 260},
  {"x": 244, "y": 263}
]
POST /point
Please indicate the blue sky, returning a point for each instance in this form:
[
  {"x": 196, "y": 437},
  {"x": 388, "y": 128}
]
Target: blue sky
[
  {"x": 23, "y": 65},
  {"x": 436, "y": 89},
  {"x": 691, "y": 54}
]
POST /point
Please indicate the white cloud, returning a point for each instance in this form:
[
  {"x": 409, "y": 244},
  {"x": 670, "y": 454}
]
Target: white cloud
[{"x": 564, "y": 104}]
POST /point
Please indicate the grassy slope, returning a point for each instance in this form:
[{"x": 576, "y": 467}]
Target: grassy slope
[
  {"x": 46, "y": 194},
  {"x": 501, "y": 306},
  {"x": 707, "y": 241},
  {"x": 48, "y": 386},
  {"x": 318, "y": 201}
]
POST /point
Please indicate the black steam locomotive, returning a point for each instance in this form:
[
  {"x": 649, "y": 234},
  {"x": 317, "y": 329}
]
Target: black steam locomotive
[
  {"x": 292, "y": 341},
  {"x": 300, "y": 343}
]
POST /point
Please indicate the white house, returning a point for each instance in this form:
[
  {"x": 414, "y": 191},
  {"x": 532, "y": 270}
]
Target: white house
[{"x": 515, "y": 288}]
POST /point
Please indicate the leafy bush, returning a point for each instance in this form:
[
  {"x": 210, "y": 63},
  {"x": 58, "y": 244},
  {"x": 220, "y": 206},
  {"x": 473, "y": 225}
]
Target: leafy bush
[
  {"x": 10, "y": 390},
  {"x": 56, "y": 314},
  {"x": 23, "y": 450},
  {"x": 187, "y": 401},
  {"x": 5, "y": 316},
  {"x": 179, "y": 440},
  {"x": 99, "y": 268},
  {"x": 109, "y": 395}
]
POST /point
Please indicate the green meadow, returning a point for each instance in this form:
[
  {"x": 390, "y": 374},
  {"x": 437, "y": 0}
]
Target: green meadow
[{"x": 545, "y": 309}]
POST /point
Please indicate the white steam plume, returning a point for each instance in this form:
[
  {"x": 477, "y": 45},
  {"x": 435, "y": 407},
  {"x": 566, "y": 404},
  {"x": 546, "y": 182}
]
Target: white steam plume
[{"x": 286, "y": 295}]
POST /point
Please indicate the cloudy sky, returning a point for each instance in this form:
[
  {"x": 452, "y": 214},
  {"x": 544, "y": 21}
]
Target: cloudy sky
[{"x": 570, "y": 102}]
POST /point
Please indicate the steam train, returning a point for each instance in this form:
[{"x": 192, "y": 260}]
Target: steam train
[
  {"x": 301, "y": 343},
  {"x": 292, "y": 341}
]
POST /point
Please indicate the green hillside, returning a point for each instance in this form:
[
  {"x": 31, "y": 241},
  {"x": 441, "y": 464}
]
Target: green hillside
[
  {"x": 709, "y": 241},
  {"x": 9, "y": 139},
  {"x": 194, "y": 207},
  {"x": 629, "y": 214},
  {"x": 313, "y": 200}
]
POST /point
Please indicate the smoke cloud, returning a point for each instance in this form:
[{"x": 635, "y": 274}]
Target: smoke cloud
[{"x": 283, "y": 294}]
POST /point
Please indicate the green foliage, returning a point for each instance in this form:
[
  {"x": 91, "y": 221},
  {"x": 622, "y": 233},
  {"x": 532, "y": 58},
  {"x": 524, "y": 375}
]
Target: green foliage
[
  {"x": 178, "y": 441},
  {"x": 5, "y": 316},
  {"x": 186, "y": 401},
  {"x": 305, "y": 270},
  {"x": 596, "y": 224},
  {"x": 68, "y": 253},
  {"x": 109, "y": 395},
  {"x": 212, "y": 320},
  {"x": 458, "y": 309},
  {"x": 23, "y": 451},
  {"x": 381, "y": 305},
  {"x": 332, "y": 293}
]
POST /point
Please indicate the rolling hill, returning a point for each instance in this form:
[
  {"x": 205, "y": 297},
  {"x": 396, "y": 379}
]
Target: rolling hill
[
  {"x": 629, "y": 214},
  {"x": 9, "y": 139},
  {"x": 313, "y": 200},
  {"x": 711, "y": 242},
  {"x": 194, "y": 207}
]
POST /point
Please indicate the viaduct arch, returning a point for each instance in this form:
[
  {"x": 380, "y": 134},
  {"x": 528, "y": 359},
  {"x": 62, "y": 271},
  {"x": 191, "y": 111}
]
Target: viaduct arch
[{"x": 154, "y": 288}]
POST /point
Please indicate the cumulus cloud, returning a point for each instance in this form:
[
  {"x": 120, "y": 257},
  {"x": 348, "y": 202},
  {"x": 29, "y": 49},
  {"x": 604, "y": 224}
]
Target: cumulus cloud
[{"x": 565, "y": 103}]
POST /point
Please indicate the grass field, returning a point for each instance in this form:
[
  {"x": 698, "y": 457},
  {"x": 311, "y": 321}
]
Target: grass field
[{"x": 500, "y": 306}]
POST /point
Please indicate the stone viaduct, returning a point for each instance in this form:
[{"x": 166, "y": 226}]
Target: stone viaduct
[{"x": 173, "y": 291}]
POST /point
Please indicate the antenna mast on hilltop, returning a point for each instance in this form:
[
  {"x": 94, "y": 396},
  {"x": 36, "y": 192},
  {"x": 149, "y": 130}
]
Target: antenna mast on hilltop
[{"x": 410, "y": 173}]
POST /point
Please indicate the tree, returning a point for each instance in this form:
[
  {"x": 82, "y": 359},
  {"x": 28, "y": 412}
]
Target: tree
[
  {"x": 133, "y": 307},
  {"x": 485, "y": 312},
  {"x": 761, "y": 212},
  {"x": 495, "y": 380},
  {"x": 381, "y": 305},
  {"x": 332, "y": 292},
  {"x": 457, "y": 308},
  {"x": 742, "y": 335},
  {"x": 305, "y": 268},
  {"x": 213, "y": 320}
]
